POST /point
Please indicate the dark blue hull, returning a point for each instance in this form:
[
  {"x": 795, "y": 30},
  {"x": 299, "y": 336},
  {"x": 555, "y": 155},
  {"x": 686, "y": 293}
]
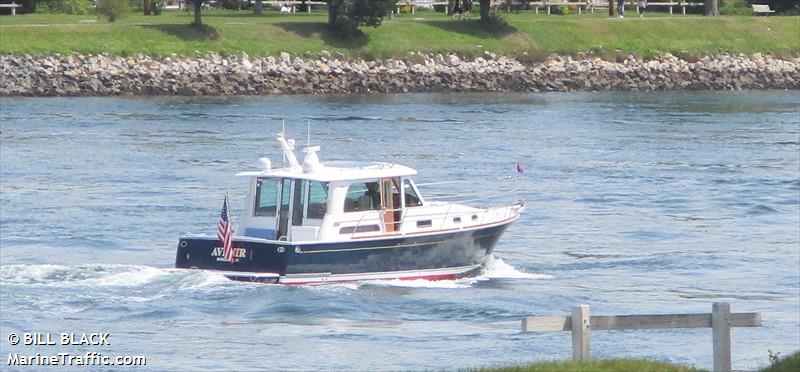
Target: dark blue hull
[{"x": 442, "y": 255}]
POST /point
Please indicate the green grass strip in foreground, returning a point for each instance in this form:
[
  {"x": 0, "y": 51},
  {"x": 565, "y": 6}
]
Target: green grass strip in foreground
[
  {"x": 789, "y": 363},
  {"x": 538, "y": 35},
  {"x": 610, "y": 365}
]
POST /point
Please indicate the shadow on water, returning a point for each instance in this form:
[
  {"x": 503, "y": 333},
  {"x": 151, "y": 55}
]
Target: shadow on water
[
  {"x": 320, "y": 29},
  {"x": 474, "y": 28},
  {"x": 188, "y": 32}
]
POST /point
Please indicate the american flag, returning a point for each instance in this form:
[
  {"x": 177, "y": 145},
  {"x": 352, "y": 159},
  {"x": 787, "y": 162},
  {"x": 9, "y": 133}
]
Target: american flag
[{"x": 224, "y": 231}]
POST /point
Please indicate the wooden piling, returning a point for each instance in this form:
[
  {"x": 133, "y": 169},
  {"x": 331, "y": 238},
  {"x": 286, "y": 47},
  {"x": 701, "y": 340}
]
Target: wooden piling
[
  {"x": 721, "y": 330},
  {"x": 580, "y": 332}
]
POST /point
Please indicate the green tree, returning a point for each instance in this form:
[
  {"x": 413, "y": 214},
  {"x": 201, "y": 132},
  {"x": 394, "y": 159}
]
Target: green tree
[
  {"x": 113, "y": 9},
  {"x": 345, "y": 16}
]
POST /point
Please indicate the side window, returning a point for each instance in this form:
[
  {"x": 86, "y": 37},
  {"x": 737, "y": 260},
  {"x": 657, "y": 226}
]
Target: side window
[
  {"x": 362, "y": 196},
  {"x": 412, "y": 200},
  {"x": 317, "y": 200},
  {"x": 266, "y": 197}
]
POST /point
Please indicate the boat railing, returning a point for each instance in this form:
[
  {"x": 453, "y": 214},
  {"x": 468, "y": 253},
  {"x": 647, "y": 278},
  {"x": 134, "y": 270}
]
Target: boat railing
[
  {"x": 447, "y": 214},
  {"x": 471, "y": 197},
  {"x": 492, "y": 196},
  {"x": 379, "y": 218},
  {"x": 358, "y": 224}
]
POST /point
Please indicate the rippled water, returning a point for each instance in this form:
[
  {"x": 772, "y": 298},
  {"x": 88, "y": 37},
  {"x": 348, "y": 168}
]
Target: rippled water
[{"x": 637, "y": 203}]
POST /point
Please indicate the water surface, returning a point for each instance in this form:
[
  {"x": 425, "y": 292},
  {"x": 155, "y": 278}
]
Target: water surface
[{"x": 637, "y": 203}]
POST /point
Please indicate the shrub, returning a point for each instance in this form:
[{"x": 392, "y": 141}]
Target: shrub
[
  {"x": 63, "y": 6},
  {"x": 735, "y": 7},
  {"x": 405, "y": 8},
  {"x": 791, "y": 11},
  {"x": 158, "y": 6},
  {"x": 46, "y": 6},
  {"x": 345, "y": 16},
  {"x": 75, "y": 6},
  {"x": 787, "y": 7},
  {"x": 789, "y": 363},
  {"x": 113, "y": 9},
  {"x": 560, "y": 9}
]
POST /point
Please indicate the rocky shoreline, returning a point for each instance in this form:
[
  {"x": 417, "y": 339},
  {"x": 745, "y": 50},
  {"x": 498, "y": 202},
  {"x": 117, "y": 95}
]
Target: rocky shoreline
[{"x": 213, "y": 74}]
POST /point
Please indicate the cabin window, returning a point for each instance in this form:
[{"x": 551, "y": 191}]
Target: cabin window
[
  {"x": 412, "y": 199},
  {"x": 362, "y": 196},
  {"x": 317, "y": 200},
  {"x": 267, "y": 191},
  {"x": 359, "y": 229}
]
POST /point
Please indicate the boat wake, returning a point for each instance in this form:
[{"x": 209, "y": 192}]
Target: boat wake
[
  {"x": 106, "y": 275},
  {"x": 495, "y": 268},
  {"x": 119, "y": 276}
]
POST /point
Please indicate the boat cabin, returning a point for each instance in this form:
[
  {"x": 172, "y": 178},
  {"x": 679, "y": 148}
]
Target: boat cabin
[{"x": 336, "y": 201}]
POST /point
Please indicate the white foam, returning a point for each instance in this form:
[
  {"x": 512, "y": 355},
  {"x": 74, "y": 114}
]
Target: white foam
[
  {"x": 127, "y": 275},
  {"x": 24, "y": 274},
  {"x": 93, "y": 274},
  {"x": 496, "y": 268},
  {"x": 199, "y": 279},
  {"x": 422, "y": 283}
]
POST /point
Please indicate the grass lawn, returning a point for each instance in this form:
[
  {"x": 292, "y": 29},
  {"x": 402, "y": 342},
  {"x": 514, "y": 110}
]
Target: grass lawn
[
  {"x": 610, "y": 365},
  {"x": 426, "y": 31}
]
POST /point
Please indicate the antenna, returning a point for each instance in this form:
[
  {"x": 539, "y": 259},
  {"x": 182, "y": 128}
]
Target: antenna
[
  {"x": 308, "y": 130},
  {"x": 283, "y": 132}
]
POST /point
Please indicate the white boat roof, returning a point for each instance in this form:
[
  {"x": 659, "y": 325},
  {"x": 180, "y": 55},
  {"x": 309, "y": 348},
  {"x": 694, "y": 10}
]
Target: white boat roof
[
  {"x": 338, "y": 171},
  {"x": 314, "y": 170}
]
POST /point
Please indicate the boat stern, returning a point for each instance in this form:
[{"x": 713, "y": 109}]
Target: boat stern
[{"x": 252, "y": 261}]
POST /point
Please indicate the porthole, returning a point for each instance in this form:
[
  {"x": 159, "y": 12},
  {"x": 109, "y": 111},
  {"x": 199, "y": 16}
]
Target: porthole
[{"x": 281, "y": 249}]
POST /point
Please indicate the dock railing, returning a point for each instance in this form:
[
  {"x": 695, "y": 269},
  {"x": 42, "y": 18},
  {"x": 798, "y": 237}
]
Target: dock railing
[{"x": 720, "y": 320}]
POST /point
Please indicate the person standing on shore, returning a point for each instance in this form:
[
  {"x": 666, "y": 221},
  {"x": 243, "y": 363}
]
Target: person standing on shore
[
  {"x": 641, "y": 6},
  {"x": 621, "y": 8},
  {"x": 458, "y": 9},
  {"x": 466, "y": 7}
]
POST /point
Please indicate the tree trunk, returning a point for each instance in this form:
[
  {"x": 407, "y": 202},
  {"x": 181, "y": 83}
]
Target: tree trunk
[
  {"x": 712, "y": 8},
  {"x": 485, "y": 9},
  {"x": 333, "y": 11},
  {"x": 198, "y": 5},
  {"x": 611, "y": 7},
  {"x": 259, "y": 7}
]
